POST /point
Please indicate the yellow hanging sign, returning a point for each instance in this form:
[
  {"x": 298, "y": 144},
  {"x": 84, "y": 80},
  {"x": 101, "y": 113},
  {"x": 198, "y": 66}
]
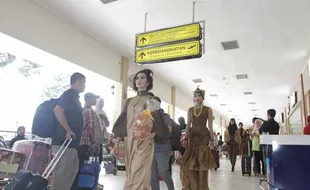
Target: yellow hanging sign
[
  {"x": 175, "y": 34},
  {"x": 179, "y": 51}
]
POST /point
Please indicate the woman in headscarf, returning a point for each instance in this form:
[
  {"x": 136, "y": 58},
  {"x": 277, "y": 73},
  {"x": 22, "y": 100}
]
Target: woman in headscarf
[
  {"x": 258, "y": 155},
  {"x": 232, "y": 139},
  {"x": 197, "y": 159},
  {"x": 20, "y": 135},
  {"x": 104, "y": 121}
]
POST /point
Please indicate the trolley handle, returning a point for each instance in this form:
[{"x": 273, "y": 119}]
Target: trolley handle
[{"x": 56, "y": 158}]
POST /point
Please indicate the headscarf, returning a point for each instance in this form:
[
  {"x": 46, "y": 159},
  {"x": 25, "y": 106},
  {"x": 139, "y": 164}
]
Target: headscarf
[
  {"x": 97, "y": 107},
  {"x": 232, "y": 128},
  {"x": 199, "y": 92},
  {"x": 99, "y": 112}
]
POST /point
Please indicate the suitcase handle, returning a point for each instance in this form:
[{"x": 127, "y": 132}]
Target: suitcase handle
[{"x": 56, "y": 158}]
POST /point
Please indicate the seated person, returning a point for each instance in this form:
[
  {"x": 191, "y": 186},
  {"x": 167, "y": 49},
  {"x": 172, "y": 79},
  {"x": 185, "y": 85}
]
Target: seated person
[{"x": 20, "y": 135}]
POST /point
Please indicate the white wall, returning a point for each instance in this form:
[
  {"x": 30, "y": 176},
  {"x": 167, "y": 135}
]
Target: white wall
[
  {"x": 306, "y": 76},
  {"x": 24, "y": 20}
]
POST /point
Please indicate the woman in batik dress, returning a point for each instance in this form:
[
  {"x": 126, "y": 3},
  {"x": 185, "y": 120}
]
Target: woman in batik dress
[
  {"x": 139, "y": 152},
  {"x": 197, "y": 159}
]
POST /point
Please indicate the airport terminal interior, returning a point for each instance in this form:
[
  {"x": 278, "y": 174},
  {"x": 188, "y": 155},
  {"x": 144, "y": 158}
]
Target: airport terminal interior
[{"x": 237, "y": 71}]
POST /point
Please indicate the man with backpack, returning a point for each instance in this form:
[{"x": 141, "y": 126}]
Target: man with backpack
[
  {"x": 68, "y": 112},
  {"x": 161, "y": 160}
]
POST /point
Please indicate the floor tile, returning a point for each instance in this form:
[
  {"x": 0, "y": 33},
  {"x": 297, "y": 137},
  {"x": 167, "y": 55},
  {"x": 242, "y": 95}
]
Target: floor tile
[{"x": 223, "y": 179}]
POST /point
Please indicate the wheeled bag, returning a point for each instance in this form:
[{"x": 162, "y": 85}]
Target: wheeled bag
[
  {"x": 246, "y": 162},
  {"x": 28, "y": 180},
  {"x": 38, "y": 154}
]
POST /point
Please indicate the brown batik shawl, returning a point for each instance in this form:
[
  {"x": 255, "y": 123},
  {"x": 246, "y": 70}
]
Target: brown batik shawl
[
  {"x": 120, "y": 125},
  {"x": 160, "y": 127}
]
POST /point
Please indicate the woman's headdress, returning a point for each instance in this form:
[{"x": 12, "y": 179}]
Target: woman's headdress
[{"x": 200, "y": 92}]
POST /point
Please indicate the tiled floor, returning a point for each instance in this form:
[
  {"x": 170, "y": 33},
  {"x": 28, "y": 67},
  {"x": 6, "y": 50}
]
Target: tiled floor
[{"x": 222, "y": 179}]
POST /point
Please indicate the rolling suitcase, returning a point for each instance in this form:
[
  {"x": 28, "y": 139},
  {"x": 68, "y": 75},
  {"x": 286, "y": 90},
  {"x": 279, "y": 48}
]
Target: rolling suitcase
[
  {"x": 27, "y": 180},
  {"x": 246, "y": 162}
]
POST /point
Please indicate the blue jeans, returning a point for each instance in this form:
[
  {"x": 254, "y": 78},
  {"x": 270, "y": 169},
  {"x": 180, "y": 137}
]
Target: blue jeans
[{"x": 161, "y": 168}]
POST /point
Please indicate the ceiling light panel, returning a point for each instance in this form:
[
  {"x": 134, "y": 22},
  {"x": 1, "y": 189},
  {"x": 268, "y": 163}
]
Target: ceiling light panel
[
  {"x": 242, "y": 76},
  {"x": 197, "y": 81},
  {"x": 107, "y": 1},
  {"x": 230, "y": 45},
  {"x": 248, "y": 93}
]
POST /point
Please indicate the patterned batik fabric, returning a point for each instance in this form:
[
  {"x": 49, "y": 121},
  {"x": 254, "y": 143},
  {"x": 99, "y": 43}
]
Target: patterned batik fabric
[
  {"x": 160, "y": 127},
  {"x": 120, "y": 125}
]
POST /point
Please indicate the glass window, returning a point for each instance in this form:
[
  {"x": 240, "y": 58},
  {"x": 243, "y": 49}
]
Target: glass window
[
  {"x": 164, "y": 106},
  {"x": 25, "y": 85},
  {"x": 295, "y": 121}
]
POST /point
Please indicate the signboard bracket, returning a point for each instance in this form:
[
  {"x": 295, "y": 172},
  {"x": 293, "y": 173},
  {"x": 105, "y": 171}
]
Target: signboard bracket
[
  {"x": 194, "y": 10},
  {"x": 145, "y": 21},
  {"x": 204, "y": 36}
]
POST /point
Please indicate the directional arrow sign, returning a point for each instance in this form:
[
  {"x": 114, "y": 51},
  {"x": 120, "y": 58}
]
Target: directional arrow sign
[
  {"x": 168, "y": 35},
  {"x": 141, "y": 55},
  {"x": 173, "y": 52},
  {"x": 143, "y": 40}
]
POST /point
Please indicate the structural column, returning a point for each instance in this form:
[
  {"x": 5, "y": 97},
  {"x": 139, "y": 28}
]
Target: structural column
[
  {"x": 221, "y": 124},
  {"x": 303, "y": 99},
  {"x": 121, "y": 88},
  {"x": 286, "y": 122},
  {"x": 124, "y": 77},
  {"x": 172, "y": 103}
]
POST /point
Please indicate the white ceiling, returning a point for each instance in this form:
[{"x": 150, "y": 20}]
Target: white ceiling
[{"x": 274, "y": 39}]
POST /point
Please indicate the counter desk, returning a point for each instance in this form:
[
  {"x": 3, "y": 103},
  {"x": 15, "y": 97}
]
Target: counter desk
[{"x": 287, "y": 161}]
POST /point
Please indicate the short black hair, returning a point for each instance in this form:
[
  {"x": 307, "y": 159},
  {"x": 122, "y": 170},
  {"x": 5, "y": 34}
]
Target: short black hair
[
  {"x": 272, "y": 113},
  {"x": 241, "y": 123},
  {"x": 75, "y": 77},
  {"x": 254, "y": 119},
  {"x": 181, "y": 120},
  {"x": 157, "y": 98},
  {"x": 149, "y": 79}
]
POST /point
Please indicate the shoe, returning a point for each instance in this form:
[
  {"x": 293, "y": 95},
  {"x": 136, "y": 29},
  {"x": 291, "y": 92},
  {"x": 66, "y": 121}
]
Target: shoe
[
  {"x": 232, "y": 168},
  {"x": 100, "y": 187}
]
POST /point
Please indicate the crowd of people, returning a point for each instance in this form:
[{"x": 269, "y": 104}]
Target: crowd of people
[{"x": 150, "y": 136}]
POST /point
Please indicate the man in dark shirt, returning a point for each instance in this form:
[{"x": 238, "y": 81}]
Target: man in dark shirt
[
  {"x": 270, "y": 126},
  {"x": 69, "y": 115}
]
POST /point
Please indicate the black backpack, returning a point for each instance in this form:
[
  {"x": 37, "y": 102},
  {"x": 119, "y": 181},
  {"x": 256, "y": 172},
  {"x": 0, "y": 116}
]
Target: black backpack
[{"x": 44, "y": 121}]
